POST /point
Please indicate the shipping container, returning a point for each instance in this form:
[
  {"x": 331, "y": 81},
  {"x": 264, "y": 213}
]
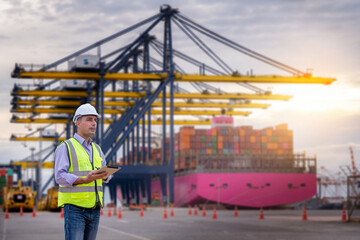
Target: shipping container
[{"x": 226, "y": 141}]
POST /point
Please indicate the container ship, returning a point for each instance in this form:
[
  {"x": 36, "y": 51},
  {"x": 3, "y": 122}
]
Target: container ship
[{"x": 238, "y": 166}]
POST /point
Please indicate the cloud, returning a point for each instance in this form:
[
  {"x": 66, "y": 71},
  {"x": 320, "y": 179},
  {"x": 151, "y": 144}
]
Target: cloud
[{"x": 332, "y": 156}]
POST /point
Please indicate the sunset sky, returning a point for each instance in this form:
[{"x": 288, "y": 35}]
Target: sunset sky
[{"x": 320, "y": 35}]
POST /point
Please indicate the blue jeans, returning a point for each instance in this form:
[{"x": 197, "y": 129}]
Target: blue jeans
[{"x": 80, "y": 223}]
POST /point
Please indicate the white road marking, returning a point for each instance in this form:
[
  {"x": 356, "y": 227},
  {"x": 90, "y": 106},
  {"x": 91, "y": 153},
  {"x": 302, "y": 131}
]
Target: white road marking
[
  {"x": 123, "y": 221},
  {"x": 125, "y": 233},
  {"x": 168, "y": 224}
]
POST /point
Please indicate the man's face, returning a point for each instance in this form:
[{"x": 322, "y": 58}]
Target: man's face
[{"x": 86, "y": 125}]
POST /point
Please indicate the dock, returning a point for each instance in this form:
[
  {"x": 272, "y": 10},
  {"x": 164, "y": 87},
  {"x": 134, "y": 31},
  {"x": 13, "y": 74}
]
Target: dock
[{"x": 277, "y": 224}]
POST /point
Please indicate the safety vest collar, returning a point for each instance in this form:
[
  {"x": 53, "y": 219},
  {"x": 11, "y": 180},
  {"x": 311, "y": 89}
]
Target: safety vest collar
[{"x": 74, "y": 158}]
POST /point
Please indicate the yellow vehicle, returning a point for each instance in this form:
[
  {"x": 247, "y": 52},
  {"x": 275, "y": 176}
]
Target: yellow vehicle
[
  {"x": 41, "y": 206},
  {"x": 17, "y": 197},
  {"x": 52, "y": 199}
]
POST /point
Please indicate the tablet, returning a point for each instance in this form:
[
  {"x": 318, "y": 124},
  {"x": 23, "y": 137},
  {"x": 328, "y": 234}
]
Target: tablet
[{"x": 109, "y": 169}]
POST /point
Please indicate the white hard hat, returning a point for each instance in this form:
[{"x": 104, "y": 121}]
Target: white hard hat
[{"x": 85, "y": 109}]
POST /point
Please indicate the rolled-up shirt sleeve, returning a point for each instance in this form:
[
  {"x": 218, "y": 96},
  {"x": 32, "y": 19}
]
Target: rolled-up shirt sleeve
[{"x": 62, "y": 165}]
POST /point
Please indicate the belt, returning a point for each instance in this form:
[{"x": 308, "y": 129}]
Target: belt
[{"x": 95, "y": 207}]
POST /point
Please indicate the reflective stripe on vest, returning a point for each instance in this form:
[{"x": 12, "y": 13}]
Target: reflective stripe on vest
[
  {"x": 80, "y": 189},
  {"x": 83, "y": 195}
]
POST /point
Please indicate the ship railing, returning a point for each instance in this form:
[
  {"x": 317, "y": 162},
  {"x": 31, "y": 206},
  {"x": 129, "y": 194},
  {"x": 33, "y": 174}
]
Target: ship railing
[{"x": 294, "y": 163}]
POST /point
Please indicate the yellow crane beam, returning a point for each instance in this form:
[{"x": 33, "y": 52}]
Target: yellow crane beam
[
  {"x": 306, "y": 79},
  {"x": 256, "y": 79},
  {"x": 36, "y": 139},
  {"x": 72, "y": 103},
  {"x": 62, "y": 103},
  {"x": 33, "y": 164},
  {"x": 121, "y": 111},
  {"x": 209, "y": 96},
  {"x": 89, "y": 75},
  {"x": 108, "y": 121},
  {"x": 38, "y": 93}
]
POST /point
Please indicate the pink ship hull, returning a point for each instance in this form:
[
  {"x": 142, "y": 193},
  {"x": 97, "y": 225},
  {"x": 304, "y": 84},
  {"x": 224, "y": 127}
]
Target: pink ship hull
[{"x": 242, "y": 189}]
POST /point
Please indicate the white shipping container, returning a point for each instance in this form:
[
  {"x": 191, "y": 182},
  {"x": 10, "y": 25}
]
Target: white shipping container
[
  {"x": 59, "y": 115},
  {"x": 71, "y": 65},
  {"x": 49, "y": 133},
  {"x": 71, "y": 84},
  {"x": 86, "y": 61}
]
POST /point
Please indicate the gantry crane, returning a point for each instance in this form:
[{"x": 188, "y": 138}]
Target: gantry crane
[
  {"x": 353, "y": 188},
  {"x": 333, "y": 183},
  {"x": 132, "y": 97}
]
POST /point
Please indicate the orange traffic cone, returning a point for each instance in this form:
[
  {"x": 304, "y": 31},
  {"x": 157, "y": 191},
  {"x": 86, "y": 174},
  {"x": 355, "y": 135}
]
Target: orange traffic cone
[
  {"x": 236, "y": 212},
  {"x": 62, "y": 213},
  {"x": 21, "y": 211},
  {"x": 304, "y": 217},
  {"x": 172, "y": 211},
  {"x": 109, "y": 212},
  {"x": 343, "y": 217},
  {"x": 165, "y": 213},
  {"x": 204, "y": 212},
  {"x": 119, "y": 215},
  {"x": 261, "y": 213},
  {"x": 195, "y": 210},
  {"x": 101, "y": 212},
  {"x": 7, "y": 213},
  {"x": 189, "y": 210},
  {"x": 33, "y": 213},
  {"x": 141, "y": 212},
  {"x": 214, "y": 214}
]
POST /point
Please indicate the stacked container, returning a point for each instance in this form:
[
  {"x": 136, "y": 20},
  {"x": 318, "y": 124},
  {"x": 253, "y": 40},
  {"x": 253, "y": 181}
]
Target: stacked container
[
  {"x": 277, "y": 141},
  {"x": 2, "y": 184},
  {"x": 228, "y": 140},
  {"x": 223, "y": 140},
  {"x": 10, "y": 177}
]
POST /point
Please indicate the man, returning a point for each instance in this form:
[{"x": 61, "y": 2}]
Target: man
[{"x": 80, "y": 189}]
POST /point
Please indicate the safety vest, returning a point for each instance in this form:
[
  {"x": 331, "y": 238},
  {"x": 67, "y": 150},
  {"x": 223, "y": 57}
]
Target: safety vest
[{"x": 82, "y": 195}]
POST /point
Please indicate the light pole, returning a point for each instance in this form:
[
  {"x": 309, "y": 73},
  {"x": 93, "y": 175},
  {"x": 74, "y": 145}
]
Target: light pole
[
  {"x": 218, "y": 187},
  {"x": 32, "y": 149},
  {"x": 39, "y": 192},
  {"x": 218, "y": 190}
]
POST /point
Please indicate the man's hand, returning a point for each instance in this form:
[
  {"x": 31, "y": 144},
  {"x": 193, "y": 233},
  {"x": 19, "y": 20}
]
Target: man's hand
[{"x": 92, "y": 176}]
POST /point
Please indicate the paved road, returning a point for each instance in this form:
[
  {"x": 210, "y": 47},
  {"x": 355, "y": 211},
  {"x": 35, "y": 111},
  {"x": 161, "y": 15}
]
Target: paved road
[{"x": 278, "y": 224}]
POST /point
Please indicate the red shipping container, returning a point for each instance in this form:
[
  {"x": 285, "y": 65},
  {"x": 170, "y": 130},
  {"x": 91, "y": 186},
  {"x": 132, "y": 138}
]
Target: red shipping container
[{"x": 3, "y": 172}]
